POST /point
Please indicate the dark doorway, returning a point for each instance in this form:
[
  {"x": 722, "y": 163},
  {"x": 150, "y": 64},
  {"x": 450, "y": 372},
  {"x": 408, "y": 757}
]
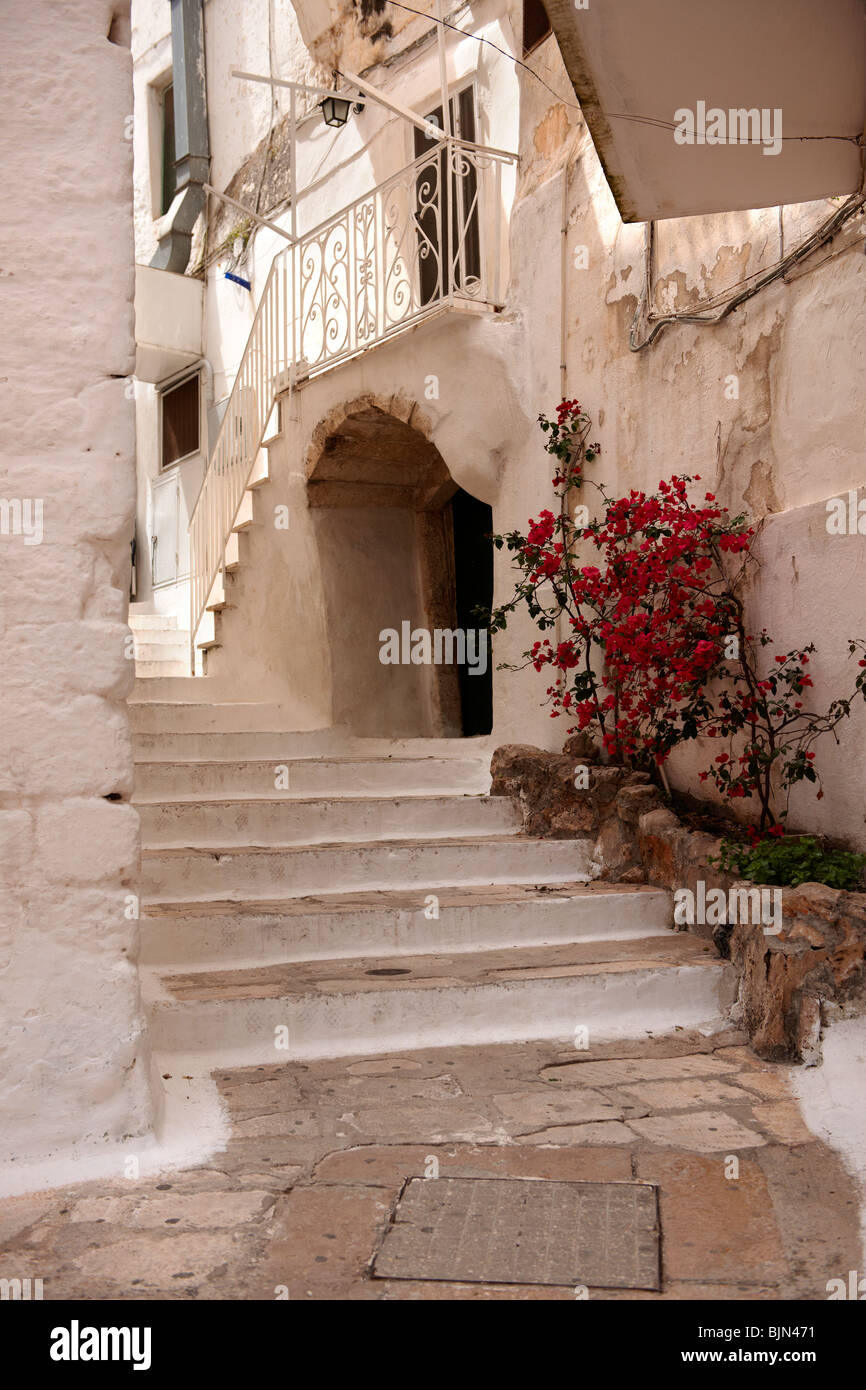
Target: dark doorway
[{"x": 473, "y": 575}]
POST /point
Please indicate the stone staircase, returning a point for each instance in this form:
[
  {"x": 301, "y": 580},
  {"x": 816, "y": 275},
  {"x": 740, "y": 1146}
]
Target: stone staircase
[
  {"x": 315, "y": 894},
  {"x": 161, "y": 647}
]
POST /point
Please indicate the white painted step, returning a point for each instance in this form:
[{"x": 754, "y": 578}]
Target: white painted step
[
  {"x": 174, "y": 648},
  {"x": 161, "y": 637},
  {"x": 323, "y": 776},
  {"x": 152, "y": 622},
  {"x": 279, "y": 820},
  {"x": 222, "y": 746},
  {"x": 156, "y": 737},
  {"x": 193, "y": 705},
  {"x": 339, "y": 1008},
  {"x": 169, "y": 875},
  {"x": 156, "y": 670},
  {"x": 208, "y": 936}
]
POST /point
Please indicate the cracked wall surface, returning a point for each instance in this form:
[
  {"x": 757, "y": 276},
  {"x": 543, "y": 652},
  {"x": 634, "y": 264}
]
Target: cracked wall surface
[
  {"x": 74, "y": 1065},
  {"x": 767, "y": 407}
]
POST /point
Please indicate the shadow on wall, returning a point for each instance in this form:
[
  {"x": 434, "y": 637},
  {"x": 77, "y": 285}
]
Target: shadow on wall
[{"x": 405, "y": 559}]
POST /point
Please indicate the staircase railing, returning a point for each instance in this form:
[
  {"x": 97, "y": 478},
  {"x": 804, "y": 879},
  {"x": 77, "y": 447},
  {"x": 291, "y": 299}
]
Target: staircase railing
[{"x": 426, "y": 238}]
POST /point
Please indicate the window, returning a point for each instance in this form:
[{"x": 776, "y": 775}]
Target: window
[
  {"x": 169, "y": 177},
  {"x": 181, "y": 420},
  {"x": 450, "y": 205},
  {"x": 536, "y": 25}
]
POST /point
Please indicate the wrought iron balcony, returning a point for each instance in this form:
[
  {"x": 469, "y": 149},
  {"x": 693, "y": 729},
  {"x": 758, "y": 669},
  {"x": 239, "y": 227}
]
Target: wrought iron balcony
[{"x": 428, "y": 238}]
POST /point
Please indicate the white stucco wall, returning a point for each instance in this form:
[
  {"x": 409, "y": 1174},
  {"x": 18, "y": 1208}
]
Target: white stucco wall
[
  {"x": 791, "y": 437},
  {"x": 74, "y": 1065}
]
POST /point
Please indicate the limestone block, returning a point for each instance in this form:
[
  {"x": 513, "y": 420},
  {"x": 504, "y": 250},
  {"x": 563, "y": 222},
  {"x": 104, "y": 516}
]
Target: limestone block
[
  {"x": 81, "y": 746},
  {"x": 41, "y": 659},
  {"x": 44, "y": 583},
  {"x": 88, "y": 494},
  {"x": 84, "y": 840}
]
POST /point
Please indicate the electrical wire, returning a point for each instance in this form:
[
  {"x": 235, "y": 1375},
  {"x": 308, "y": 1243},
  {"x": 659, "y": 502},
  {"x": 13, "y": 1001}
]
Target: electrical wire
[
  {"x": 266, "y": 153},
  {"x": 575, "y": 106},
  {"x": 822, "y": 234}
]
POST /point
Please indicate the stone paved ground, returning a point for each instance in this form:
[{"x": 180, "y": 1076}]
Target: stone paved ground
[{"x": 302, "y": 1194}]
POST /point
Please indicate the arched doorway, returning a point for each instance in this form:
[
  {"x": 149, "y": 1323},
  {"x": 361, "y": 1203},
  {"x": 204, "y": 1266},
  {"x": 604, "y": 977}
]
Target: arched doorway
[{"x": 406, "y": 561}]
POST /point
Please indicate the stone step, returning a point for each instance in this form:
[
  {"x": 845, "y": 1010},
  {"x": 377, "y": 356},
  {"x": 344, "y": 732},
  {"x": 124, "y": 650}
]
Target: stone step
[
  {"x": 197, "y": 704},
  {"x": 169, "y": 637},
  {"x": 152, "y": 622},
  {"x": 232, "y": 558},
  {"x": 156, "y": 670},
  {"x": 176, "y": 648},
  {"x": 280, "y": 820},
  {"x": 245, "y": 514},
  {"x": 335, "y": 1008},
  {"x": 226, "y": 745},
  {"x": 392, "y": 923},
  {"x": 324, "y": 776},
  {"x": 169, "y": 875},
  {"x": 206, "y": 734}
]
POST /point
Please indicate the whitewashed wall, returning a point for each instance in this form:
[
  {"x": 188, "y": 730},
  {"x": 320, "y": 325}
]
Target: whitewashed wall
[
  {"x": 790, "y": 439},
  {"x": 74, "y": 1067}
]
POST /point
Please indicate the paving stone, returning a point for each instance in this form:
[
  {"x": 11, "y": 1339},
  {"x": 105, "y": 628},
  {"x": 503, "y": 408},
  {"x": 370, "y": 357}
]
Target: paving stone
[
  {"x": 703, "y": 1131},
  {"x": 424, "y": 1120},
  {"x": 742, "y": 1056},
  {"x": 305, "y": 1123},
  {"x": 276, "y": 1179},
  {"x": 384, "y": 1066},
  {"x": 395, "y": 1089},
  {"x": 817, "y": 1214},
  {"x": 783, "y": 1121},
  {"x": 683, "y": 1042},
  {"x": 160, "y": 1261},
  {"x": 681, "y": 1095},
  {"x": 770, "y": 1085},
  {"x": 532, "y": 1109},
  {"x": 261, "y": 1097},
  {"x": 607, "y": 1132},
  {"x": 714, "y": 1229},
  {"x": 323, "y": 1239},
  {"x": 115, "y": 1209},
  {"x": 202, "y": 1210},
  {"x": 243, "y": 1155},
  {"x": 19, "y": 1214},
  {"x": 189, "y": 1180},
  {"x": 621, "y": 1071},
  {"x": 390, "y": 1166}
]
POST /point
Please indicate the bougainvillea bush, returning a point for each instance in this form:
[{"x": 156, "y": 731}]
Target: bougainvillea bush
[{"x": 653, "y": 649}]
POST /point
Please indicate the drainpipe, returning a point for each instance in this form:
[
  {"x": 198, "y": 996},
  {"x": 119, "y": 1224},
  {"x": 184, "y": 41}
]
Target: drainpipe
[
  {"x": 192, "y": 149},
  {"x": 563, "y": 330},
  {"x": 563, "y": 285}
]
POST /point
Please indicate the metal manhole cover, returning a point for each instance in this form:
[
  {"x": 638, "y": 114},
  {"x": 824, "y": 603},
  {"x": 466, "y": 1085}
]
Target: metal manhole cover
[{"x": 524, "y": 1231}]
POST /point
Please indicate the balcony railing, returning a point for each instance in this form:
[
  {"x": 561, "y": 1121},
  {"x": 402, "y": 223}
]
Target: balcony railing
[{"x": 427, "y": 238}]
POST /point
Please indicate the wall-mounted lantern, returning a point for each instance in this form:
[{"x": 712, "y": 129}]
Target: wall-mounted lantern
[{"x": 335, "y": 110}]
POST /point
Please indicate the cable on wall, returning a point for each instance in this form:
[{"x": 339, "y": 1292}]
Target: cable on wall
[{"x": 822, "y": 234}]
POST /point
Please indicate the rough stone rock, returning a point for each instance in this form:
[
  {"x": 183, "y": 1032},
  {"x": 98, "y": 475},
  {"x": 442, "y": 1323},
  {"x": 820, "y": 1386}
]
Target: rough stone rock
[
  {"x": 787, "y": 980},
  {"x": 543, "y": 784},
  {"x": 581, "y": 748}
]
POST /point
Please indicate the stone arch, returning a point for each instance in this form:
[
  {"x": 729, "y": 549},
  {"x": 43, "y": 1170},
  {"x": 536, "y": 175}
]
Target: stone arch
[{"x": 380, "y": 494}]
